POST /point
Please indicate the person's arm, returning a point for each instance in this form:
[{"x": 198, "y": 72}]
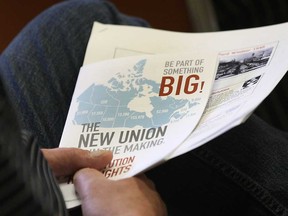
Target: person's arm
[{"x": 28, "y": 186}]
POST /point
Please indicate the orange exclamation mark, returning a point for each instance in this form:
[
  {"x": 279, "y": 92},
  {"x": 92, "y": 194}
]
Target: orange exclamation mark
[{"x": 201, "y": 87}]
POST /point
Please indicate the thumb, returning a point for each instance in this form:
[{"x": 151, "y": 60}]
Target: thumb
[{"x": 84, "y": 181}]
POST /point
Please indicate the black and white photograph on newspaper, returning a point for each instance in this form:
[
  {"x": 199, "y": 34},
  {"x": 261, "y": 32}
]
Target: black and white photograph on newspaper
[
  {"x": 251, "y": 82},
  {"x": 233, "y": 63}
]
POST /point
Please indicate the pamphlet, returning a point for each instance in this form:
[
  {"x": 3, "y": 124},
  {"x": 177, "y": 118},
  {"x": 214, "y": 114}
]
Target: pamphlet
[{"x": 151, "y": 95}]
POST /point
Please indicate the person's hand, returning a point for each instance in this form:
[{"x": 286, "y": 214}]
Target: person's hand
[
  {"x": 134, "y": 196},
  {"x": 64, "y": 162}
]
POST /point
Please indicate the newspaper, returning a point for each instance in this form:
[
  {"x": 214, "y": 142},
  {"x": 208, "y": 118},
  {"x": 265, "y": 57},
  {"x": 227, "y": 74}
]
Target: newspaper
[{"x": 150, "y": 95}]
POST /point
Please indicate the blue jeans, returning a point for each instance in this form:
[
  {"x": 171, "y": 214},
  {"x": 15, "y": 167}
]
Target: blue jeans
[
  {"x": 40, "y": 67},
  {"x": 243, "y": 172}
]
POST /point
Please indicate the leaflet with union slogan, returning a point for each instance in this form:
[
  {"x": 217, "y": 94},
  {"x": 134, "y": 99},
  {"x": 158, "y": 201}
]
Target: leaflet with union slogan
[{"x": 150, "y": 95}]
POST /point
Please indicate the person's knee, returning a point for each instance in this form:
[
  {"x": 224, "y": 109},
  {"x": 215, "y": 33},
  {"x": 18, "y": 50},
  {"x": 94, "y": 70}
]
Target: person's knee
[{"x": 91, "y": 10}]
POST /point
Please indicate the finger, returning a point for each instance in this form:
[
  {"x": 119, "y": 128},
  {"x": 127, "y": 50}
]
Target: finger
[
  {"x": 84, "y": 178},
  {"x": 66, "y": 161}
]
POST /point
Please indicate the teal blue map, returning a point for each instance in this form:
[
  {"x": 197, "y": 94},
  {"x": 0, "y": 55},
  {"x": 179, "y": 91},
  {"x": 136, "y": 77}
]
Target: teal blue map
[{"x": 130, "y": 100}]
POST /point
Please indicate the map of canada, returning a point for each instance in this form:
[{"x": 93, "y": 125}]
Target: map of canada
[{"x": 129, "y": 100}]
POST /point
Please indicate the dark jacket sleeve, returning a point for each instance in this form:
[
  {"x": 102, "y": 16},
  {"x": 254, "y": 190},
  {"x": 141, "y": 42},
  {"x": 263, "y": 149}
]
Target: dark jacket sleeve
[{"x": 27, "y": 185}]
